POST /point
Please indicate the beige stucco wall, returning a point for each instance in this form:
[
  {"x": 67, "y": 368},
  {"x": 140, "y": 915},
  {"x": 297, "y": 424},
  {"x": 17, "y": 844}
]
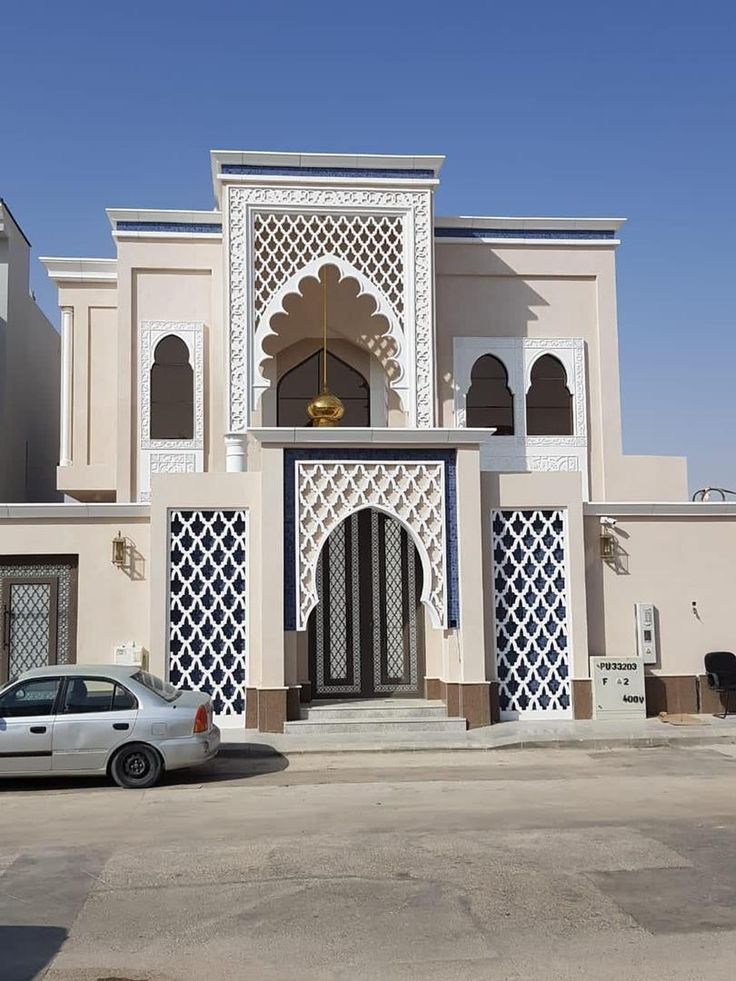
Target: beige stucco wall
[
  {"x": 172, "y": 280},
  {"x": 519, "y": 290},
  {"x": 549, "y": 291},
  {"x": 29, "y": 379},
  {"x": 671, "y": 562},
  {"x": 113, "y": 604},
  {"x": 96, "y": 382},
  {"x": 176, "y": 280}
]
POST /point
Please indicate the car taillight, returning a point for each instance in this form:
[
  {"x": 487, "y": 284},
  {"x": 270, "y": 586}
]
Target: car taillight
[{"x": 201, "y": 722}]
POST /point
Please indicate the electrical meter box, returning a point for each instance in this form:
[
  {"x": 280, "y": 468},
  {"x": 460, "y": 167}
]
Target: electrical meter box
[
  {"x": 646, "y": 632},
  {"x": 130, "y": 654},
  {"x": 618, "y": 687}
]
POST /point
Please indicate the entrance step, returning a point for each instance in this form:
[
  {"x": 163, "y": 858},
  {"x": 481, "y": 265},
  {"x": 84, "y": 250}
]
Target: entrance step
[{"x": 375, "y": 717}]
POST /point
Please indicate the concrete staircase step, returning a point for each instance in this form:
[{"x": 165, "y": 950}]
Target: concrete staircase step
[
  {"x": 372, "y": 711},
  {"x": 375, "y": 727}
]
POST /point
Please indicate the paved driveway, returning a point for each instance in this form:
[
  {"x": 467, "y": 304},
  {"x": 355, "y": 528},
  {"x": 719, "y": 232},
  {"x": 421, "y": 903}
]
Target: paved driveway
[{"x": 545, "y": 864}]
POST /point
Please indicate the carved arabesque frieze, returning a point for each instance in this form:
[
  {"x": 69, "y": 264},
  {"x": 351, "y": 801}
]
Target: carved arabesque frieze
[{"x": 327, "y": 492}]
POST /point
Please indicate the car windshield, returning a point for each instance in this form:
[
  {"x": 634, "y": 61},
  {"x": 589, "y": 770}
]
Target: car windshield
[{"x": 161, "y": 688}]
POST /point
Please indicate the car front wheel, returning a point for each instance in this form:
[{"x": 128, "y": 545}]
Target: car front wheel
[{"x": 136, "y": 767}]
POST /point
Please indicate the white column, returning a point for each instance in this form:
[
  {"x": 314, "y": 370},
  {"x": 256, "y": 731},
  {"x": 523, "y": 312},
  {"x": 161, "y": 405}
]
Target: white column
[
  {"x": 65, "y": 420},
  {"x": 235, "y": 454}
]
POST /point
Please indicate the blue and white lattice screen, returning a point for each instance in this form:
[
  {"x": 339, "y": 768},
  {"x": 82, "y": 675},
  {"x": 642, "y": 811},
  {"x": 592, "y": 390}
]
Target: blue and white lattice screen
[
  {"x": 208, "y": 605},
  {"x": 531, "y": 614}
]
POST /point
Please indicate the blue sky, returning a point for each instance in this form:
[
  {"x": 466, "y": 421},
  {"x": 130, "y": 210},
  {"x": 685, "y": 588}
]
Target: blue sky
[{"x": 542, "y": 108}]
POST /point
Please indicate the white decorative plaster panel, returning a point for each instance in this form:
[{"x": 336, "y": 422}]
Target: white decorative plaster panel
[
  {"x": 520, "y": 453},
  {"x": 327, "y": 492},
  {"x": 277, "y": 235},
  {"x": 168, "y": 455}
]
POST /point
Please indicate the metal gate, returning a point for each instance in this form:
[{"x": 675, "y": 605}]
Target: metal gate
[
  {"x": 38, "y": 613},
  {"x": 366, "y": 633}
]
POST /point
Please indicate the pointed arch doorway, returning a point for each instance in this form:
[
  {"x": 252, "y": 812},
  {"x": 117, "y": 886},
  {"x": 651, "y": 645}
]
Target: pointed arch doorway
[{"x": 366, "y": 634}]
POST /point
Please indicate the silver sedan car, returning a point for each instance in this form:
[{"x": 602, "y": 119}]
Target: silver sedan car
[{"x": 96, "y": 719}]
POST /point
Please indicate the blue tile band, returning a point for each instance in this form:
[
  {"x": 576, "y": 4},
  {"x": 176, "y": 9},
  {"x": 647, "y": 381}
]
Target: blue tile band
[
  {"x": 275, "y": 171},
  {"x": 169, "y": 226},
  {"x": 541, "y": 233}
]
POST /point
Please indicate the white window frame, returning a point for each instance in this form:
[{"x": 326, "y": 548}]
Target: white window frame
[
  {"x": 521, "y": 453},
  {"x": 157, "y": 456}
]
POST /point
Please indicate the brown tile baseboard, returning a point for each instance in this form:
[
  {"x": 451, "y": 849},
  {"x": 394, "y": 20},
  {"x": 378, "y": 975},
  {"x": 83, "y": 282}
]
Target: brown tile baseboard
[
  {"x": 471, "y": 702},
  {"x": 251, "y": 708},
  {"x": 711, "y": 702},
  {"x": 434, "y": 689},
  {"x": 582, "y": 698},
  {"x": 266, "y": 709},
  {"x": 671, "y": 693}
]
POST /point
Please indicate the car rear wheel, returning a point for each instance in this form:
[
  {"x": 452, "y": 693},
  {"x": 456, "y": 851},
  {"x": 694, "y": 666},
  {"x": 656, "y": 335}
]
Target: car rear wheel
[{"x": 136, "y": 767}]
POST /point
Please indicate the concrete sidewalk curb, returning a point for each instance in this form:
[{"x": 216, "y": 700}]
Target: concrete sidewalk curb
[{"x": 265, "y": 750}]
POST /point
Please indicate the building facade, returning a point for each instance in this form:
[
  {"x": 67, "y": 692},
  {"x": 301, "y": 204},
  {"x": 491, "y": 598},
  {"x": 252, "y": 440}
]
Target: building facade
[
  {"x": 443, "y": 540},
  {"x": 29, "y": 377}
]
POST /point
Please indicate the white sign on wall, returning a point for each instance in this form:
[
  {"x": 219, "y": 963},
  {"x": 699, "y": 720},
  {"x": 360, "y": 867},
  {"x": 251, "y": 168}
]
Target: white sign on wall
[{"x": 618, "y": 688}]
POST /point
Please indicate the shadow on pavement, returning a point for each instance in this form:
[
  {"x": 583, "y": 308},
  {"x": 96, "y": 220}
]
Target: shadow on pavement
[
  {"x": 26, "y": 950},
  {"x": 227, "y": 766}
]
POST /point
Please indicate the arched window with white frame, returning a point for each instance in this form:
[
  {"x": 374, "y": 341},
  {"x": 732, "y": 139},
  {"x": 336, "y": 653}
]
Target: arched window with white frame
[
  {"x": 489, "y": 403},
  {"x": 172, "y": 390},
  {"x": 549, "y": 410}
]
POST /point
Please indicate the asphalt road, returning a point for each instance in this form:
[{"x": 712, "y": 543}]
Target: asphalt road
[{"x": 544, "y": 864}]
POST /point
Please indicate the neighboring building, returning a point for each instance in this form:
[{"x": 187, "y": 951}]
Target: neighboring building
[
  {"x": 444, "y": 539},
  {"x": 29, "y": 377}
]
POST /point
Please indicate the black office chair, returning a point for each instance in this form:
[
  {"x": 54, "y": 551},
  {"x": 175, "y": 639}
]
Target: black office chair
[{"x": 720, "y": 671}]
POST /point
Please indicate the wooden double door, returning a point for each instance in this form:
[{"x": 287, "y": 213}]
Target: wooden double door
[{"x": 366, "y": 635}]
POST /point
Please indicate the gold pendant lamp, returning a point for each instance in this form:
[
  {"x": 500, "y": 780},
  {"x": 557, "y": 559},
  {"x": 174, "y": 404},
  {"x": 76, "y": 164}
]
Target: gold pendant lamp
[{"x": 325, "y": 409}]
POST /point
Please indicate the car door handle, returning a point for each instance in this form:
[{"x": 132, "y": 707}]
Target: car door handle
[
  {"x": 121, "y": 725},
  {"x": 38, "y": 730}
]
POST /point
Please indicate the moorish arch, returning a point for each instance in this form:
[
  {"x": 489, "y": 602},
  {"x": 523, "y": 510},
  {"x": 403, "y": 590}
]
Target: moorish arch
[
  {"x": 413, "y": 490},
  {"x": 386, "y": 342}
]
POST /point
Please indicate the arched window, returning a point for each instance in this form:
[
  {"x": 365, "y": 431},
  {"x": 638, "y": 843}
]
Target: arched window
[
  {"x": 300, "y": 384},
  {"x": 172, "y": 391},
  {"x": 548, "y": 401},
  {"x": 489, "y": 402}
]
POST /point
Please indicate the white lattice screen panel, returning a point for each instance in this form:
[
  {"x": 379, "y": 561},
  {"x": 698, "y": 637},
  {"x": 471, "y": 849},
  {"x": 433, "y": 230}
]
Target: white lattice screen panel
[
  {"x": 286, "y": 243},
  {"x": 531, "y": 613},
  {"x": 208, "y": 606}
]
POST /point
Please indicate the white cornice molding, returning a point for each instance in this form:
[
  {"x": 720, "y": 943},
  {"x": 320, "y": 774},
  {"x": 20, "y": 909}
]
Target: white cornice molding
[
  {"x": 309, "y": 163},
  {"x": 663, "y": 509},
  {"x": 359, "y": 161},
  {"x": 74, "y": 511},
  {"x": 62, "y": 270},
  {"x": 150, "y": 215},
  {"x": 383, "y": 436}
]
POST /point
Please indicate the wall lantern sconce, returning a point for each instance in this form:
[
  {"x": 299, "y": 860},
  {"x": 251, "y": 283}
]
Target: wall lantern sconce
[
  {"x": 607, "y": 541},
  {"x": 118, "y": 551}
]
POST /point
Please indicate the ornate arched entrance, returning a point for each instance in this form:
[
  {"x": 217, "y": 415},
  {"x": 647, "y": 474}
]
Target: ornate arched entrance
[{"x": 366, "y": 634}]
